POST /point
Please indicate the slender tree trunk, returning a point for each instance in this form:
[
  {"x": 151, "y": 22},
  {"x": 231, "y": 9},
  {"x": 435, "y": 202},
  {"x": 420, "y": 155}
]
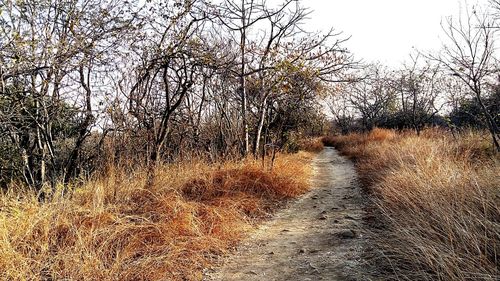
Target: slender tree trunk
[
  {"x": 83, "y": 130},
  {"x": 414, "y": 113},
  {"x": 28, "y": 175},
  {"x": 75, "y": 153},
  {"x": 259, "y": 127},
  {"x": 153, "y": 161},
  {"x": 158, "y": 144},
  {"x": 43, "y": 151},
  {"x": 492, "y": 126},
  {"x": 243, "y": 89}
]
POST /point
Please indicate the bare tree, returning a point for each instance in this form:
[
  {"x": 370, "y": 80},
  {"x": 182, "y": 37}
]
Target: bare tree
[
  {"x": 469, "y": 55},
  {"x": 270, "y": 40},
  {"x": 171, "y": 58},
  {"x": 341, "y": 110},
  {"x": 372, "y": 95},
  {"x": 154, "y": 81},
  {"x": 45, "y": 46},
  {"x": 239, "y": 17},
  {"x": 420, "y": 88}
]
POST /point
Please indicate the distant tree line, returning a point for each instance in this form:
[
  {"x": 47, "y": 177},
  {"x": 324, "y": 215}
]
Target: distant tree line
[
  {"x": 90, "y": 83},
  {"x": 456, "y": 88}
]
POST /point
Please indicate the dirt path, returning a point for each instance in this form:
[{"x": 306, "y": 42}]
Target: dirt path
[{"x": 319, "y": 237}]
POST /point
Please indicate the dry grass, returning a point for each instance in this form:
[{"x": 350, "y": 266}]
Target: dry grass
[
  {"x": 311, "y": 144},
  {"x": 114, "y": 229},
  {"x": 439, "y": 198}
]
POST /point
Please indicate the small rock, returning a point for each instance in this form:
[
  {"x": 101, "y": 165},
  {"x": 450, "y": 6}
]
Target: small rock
[
  {"x": 302, "y": 251},
  {"x": 314, "y": 269},
  {"x": 314, "y": 207},
  {"x": 314, "y": 251},
  {"x": 314, "y": 197},
  {"x": 324, "y": 212},
  {"x": 270, "y": 253},
  {"x": 251, "y": 272},
  {"x": 322, "y": 217},
  {"x": 349, "y": 217},
  {"x": 285, "y": 230},
  {"x": 335, "y": 221},
  {"x": 346, "y": 234}
]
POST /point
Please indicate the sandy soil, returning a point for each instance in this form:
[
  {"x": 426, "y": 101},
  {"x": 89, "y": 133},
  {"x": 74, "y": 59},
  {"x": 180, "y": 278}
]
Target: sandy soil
[{"x": 320, "y": 236}]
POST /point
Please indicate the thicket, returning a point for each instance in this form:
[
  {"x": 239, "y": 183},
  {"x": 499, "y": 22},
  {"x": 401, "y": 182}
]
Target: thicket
[{"x": 86, "y": 84}]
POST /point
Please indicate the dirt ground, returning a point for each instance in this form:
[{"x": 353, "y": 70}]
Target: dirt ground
[{"x": 320, "y": 236}]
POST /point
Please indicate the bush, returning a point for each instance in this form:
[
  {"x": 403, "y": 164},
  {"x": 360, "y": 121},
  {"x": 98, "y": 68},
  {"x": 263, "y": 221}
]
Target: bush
[{"x": 311, "y": 145}]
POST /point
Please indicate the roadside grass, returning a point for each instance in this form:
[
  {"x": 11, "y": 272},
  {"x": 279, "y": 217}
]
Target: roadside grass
[
  {"x": 112, "y": 228},
  {"x": 311, "y": 144},
  {"x": 438, "y": 197}
]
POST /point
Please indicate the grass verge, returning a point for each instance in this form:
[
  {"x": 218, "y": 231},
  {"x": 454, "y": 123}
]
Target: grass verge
[
  {"x": 114, "y": 229},
  {"x": 439, "y": 201}
]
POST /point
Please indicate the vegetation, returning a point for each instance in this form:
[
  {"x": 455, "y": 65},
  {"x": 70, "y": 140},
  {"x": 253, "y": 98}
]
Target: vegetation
[
  {"x": 140, "y": 140},
  {"x": 113, "y": 228},
  {"x": 438, "y": 199},
  {"x": 154, "y": 82},
  {"x": 456, "y": 88}
]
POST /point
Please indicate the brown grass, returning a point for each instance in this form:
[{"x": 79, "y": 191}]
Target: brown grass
[
  {"x": 311, "y": 144},
  {"x": 439, "y": 198},
  {"x": 114, "y": 229}
]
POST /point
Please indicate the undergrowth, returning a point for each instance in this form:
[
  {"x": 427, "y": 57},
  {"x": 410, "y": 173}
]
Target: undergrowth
[
  {"x": 438, "y": 196},
  {"x": 311, "y": 144},
  {"x": 113, "y": 228}
]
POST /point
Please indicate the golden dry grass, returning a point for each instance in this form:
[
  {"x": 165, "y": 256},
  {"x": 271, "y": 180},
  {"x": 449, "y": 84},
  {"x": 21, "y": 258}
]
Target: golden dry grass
[
  {"x": 114, "y": 229},
  {"x": 439, "y": 198},
  {"x": 311, "y": 144}
]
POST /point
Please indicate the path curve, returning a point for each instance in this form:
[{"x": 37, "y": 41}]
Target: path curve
[{"x": 318, "y": 237}]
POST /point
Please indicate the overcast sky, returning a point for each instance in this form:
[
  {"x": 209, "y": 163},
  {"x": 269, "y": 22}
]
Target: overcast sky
[{"x": 385, "y": 30}]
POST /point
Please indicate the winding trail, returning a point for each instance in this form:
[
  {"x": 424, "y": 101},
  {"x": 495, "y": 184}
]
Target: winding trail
[{"x": 318, "y": 237}]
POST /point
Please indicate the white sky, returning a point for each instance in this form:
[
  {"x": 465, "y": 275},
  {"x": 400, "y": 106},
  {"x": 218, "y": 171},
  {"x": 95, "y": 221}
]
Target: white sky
[{"x": 385, "y": 30}]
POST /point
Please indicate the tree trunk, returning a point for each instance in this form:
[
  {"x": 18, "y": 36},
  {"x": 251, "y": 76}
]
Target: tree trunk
[
  {"x": 84, "y": 127},
  {"x": 246, "y": 146},
  {"x": 28, "y": 175},
  {"x": 259, "y": 127},
  {"x": 492, "y": 126},
  {"x": 75, "y": 153}
]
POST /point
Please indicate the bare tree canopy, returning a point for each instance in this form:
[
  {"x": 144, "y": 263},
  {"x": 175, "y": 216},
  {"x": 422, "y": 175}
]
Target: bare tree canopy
[{"x": 155, "y": 82}]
